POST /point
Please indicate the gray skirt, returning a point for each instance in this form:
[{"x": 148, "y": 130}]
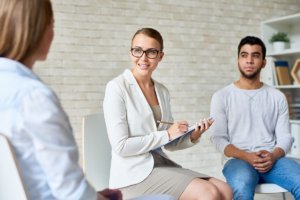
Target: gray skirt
[{"x": 167, "y": 177}]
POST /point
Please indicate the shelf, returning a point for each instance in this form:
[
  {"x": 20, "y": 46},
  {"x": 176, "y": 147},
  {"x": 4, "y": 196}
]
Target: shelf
[
  {"x": 291, "y": 19},
  {"x": 287, "y": 52},
  {"x": 288, "y": 24},
  {"x": 291, "y": 26},
  {"x": 287, "y": 86},
  {"x": 294, "y": 121}
]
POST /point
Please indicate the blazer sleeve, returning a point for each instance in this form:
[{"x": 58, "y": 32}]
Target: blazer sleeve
[{"x": 115, "y": 112}]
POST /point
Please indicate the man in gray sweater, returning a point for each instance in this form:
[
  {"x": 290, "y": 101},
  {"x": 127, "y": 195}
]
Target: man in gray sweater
[{"x": 252, "y": 128}]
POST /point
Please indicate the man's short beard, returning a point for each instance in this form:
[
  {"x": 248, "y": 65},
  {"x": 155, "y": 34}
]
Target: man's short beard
[{"x": 250, "y": 76}]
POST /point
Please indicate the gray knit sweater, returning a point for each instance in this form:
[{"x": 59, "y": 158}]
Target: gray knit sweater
[{"x": 251, "y": 120}]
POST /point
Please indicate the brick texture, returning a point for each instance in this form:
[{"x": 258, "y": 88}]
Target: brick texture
[{"x": 92, "y": 42}]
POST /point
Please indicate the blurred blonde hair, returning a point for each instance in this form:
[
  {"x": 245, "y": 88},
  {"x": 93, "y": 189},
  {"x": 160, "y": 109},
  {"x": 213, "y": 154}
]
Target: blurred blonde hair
[{"x": 22, "y": 26}]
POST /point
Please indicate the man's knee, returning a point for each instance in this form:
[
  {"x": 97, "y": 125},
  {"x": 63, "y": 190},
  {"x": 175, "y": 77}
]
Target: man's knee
[{"x": 242, "y": 190}]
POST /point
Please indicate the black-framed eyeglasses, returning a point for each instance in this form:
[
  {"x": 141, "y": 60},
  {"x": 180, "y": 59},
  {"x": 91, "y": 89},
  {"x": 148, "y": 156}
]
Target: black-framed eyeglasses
[{"x": 139, "y": 52}]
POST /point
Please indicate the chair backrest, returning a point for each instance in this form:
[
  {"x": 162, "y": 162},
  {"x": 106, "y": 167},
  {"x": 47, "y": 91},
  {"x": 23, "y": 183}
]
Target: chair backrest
[
  {"x": 11, "y": 185},
  {"x": 96, "y": 150}
]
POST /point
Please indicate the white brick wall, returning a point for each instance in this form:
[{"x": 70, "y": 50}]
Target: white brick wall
[{"x": 92, "y": 42}]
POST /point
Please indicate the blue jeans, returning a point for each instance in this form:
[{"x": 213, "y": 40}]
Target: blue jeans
[{"x": 243, "y": 178}]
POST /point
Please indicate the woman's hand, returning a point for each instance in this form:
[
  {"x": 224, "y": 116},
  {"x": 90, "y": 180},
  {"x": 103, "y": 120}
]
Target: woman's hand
[
  {"x": 201, "y": 127},
  {"x": 177, "y": 129}
]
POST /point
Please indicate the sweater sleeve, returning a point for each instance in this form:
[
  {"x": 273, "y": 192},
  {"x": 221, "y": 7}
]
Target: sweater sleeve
[
  {"x": 219, "y": 128},
  {"x": 284, "y": 139}
]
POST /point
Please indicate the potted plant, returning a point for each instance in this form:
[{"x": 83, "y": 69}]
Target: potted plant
[{"x": 280, "y": 41}]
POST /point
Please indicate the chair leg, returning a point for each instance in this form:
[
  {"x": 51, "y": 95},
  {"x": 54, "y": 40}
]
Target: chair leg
[{"x": 283, "y": 196}]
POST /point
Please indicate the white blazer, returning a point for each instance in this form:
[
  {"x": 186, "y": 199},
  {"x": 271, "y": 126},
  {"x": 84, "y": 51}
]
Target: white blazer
[{"x": 132, "y": 129}]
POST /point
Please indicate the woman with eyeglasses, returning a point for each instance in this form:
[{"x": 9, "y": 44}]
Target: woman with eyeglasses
[{"x": 139, "y": 123}]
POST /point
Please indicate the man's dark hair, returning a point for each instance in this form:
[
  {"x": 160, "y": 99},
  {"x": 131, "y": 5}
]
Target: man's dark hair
[{"x": 252, "y": 40}]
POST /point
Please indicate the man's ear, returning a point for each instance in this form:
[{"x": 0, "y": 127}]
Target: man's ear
[{"x": 264, "y": 62}]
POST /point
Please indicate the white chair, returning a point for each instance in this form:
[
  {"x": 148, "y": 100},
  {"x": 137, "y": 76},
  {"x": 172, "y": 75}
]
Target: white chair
[
  {"x": 268, "y": 188},
  {"x": 97, "y": 155},
  {"x": 11, "y": 185},
  {"x": 96, "y": 151}
]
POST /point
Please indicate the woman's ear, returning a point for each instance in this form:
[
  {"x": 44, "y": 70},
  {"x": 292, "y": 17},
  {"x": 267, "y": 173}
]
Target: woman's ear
[{"x": 161, "y": 55}]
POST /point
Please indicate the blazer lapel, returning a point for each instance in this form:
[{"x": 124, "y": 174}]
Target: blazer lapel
[{"x": 133, "y": 83}]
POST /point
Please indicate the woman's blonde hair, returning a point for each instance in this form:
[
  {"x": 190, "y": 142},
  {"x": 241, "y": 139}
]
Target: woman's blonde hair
[{"x": 22, "y": 26}]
